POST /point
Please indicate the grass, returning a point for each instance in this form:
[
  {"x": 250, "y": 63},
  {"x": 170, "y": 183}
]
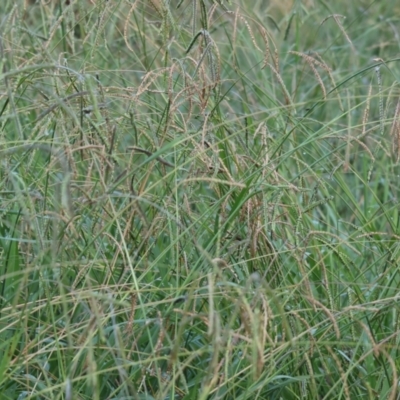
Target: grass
[{"x": 199, "y": 200}]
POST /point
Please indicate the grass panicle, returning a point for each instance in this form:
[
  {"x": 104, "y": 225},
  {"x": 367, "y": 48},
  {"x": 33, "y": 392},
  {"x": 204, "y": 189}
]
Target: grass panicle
[{"x": 199, "y": 200}]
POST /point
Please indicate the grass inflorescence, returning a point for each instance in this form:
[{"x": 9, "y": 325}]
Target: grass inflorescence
[{"x": 199, "y": 199}]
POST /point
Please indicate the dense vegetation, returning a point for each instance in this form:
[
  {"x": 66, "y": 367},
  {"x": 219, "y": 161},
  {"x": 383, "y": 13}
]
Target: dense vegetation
[{"x": 199, "y": 199}]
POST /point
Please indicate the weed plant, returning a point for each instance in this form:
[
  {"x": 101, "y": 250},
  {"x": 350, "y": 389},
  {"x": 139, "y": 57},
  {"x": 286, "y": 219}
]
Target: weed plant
[{"x": 199, "y": 199}]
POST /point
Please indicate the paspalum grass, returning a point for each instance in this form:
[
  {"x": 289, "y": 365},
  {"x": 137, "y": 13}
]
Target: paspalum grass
[{"x": 199, "y": 200}]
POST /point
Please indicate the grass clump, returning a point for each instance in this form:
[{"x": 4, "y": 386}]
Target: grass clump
[{"x": 199, "y": 200}]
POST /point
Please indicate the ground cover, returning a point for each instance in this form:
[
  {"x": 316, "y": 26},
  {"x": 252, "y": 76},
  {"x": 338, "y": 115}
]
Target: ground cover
[{"x": 199, "y": 199}]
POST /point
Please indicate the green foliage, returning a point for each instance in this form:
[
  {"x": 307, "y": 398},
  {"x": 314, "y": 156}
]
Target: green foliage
[{"x": 199, "y": 200}]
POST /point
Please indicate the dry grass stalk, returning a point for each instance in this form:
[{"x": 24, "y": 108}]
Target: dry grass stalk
[
  {"x": 286, "y": 93},
  {"x": 311, "y": 373},
  {"x": 276, "y": 59},
  {"x": 161, "y": 335},
  {"x": 129, "y": 325},
  {"x": 325, "y": 284},
  {"x": 267, "y": 316},
  {"x": 158, "y": 6},
  {"x": 211, "y": 12},
  {"x": 394, "y": 389},
  {"x": 309, "y": 330},
  {"x": 328, "y": 313},
  {"x": 336, "y": 18},
  {"x": 395, "y": 132},
  {"x": 126, "y": 25},
  {"x": 267, "y": 52},
  {"x": 366, "y": 112},
  {"x": 343, "y": 375},
  {"x": 101, "y": 24},
  {"x": 330, "y": 74},
  {"x": 312, "y": 62},
  {"x": 259, "y": 339},
  {"x": 263, "y": 32},
  {"x": 253, "y": 39},
  {"x": 147, "y": 80},
  {"x": 365, "y": 147},
  {"x": 235, "y": 22},
  {"x": 380, "y": 98}
]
